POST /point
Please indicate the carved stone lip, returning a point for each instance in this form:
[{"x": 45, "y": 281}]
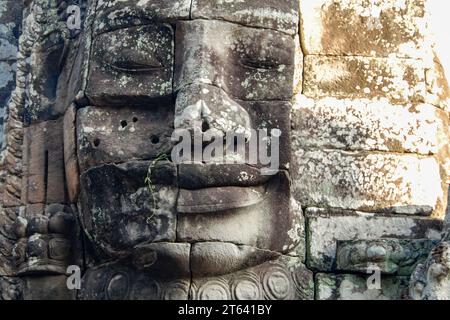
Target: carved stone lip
[
  {"x": 220, "y": 198},
  {"x": 193, "y": 176},
  {"x": 209, "y": 188}
]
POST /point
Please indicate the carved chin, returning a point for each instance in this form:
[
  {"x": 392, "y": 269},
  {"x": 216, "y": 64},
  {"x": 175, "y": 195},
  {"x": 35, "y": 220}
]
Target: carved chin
[{"x": 199, "y": 259}]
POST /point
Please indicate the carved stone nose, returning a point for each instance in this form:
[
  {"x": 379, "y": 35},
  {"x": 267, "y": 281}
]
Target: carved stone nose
[{"x": 202, "y": 107}]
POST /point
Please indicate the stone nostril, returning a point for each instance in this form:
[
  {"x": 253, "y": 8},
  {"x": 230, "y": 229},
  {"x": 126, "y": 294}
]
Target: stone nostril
[
  {"x": 96, "y": 142},
  {"x": 135, "y": 119},
  {"x": 205, "y": 126},
  {"x": 154, "y": 139},
  {"x": 123, "y": 123}
]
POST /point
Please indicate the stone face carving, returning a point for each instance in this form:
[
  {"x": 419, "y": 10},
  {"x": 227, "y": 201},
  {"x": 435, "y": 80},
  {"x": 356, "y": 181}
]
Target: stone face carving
[
  {"x": 98, "y": 124},
  {"x": 88, "y": 177},
  {"x": 390, "y": 256}
]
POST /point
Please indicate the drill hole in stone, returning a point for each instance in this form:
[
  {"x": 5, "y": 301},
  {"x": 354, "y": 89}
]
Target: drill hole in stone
[
  {"x": 123, "y": 123},
  {"x": 154, "y": 139},
  {"x": 205, "y": 126},
  {"x": 96, "y": 142}
]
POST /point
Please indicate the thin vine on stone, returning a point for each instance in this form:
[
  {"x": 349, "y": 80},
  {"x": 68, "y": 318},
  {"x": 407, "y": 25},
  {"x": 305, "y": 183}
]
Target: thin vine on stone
[{"x": 148, "y": 182}]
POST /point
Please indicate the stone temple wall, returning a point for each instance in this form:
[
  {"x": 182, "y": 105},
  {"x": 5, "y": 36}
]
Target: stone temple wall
[
  {"x": 10, "y": 25},
  {"x": 370, "y": 141},
  {"x": 370, "y": 133}
]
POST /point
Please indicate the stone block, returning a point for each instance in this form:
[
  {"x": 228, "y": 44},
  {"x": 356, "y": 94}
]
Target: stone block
[
  {"x": 120, "y": 211},
  {"x": 389, "y": 256},
  {"x": 354, "y": 287},
  {"x": 374, "y": 182},
  {"x": 325, "y": 227},
  {"x": 43, "y": 174},
  {"x": 270, "y": 224},
  {"x": 159, "y": 281},
  {"x": 47, "y": 288},
  {"x": 285, "y": 278},
  {"x": 399, "y": 80},
  {"x": 363, "y": 27},
  {"x": 112, "y": 135},
  {"x": 365, "y": 125},
  {"x": 247, "y": 63},
  {"x": 438, "y": 90},
  {"x": 131, "y": 66},
  {"x": 112, "y": 14},
  {"x": 70, "y": 154},
  {"x": 281, "y": 15}
]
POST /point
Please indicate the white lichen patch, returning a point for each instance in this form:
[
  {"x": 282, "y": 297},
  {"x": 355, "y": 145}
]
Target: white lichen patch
[
  {"x": 371, "y": 125},
  {"x": 396, "y": 183},
  {"x": 364, "y": 27},
  {"x": 399, "y": 80}
]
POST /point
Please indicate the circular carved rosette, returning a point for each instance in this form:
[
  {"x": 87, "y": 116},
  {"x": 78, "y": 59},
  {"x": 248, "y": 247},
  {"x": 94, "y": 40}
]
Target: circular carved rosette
[
  {"x": 214, "y": 290},
  {"x": 247, "y": 287},
  {"x": 146, "y": 289},
  {"x": 176, "y": 290},
  {"x": 277, "y": 283}
]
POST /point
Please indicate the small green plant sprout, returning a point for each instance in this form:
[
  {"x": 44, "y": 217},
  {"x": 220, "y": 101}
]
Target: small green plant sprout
[{"x": 148, "y": 182}]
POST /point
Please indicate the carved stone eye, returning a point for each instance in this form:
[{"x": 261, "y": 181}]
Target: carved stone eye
[
  {"x": 133, "y": 61},
  {"x": 136, "y": 50},
  {"x": 136, "y": 67},
  {"x": 267, "y": 64}
]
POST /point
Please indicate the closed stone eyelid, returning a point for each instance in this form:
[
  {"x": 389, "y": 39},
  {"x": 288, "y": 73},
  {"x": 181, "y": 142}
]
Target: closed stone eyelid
[
  {"x": 134, "y": 67},
  {"x": 255, "y": 64}
]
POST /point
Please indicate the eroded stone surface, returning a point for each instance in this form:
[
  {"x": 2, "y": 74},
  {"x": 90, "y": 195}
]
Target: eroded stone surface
[
  {"x": 269, "y": 224},
  {"x": 10, "y": 20},
  {"x": 221, "y": 258},
  {"x": 368, "y": 125},
  {"x": 384, "y": 27},
  {"x": 354, "y": 287},
  {"x": 7, "y": 83},
  {"x": 125, "y": 134},
  {"x": 399, "y": 80},
  {"x": 390, "y": 256},
  {"x": 109, "y": 95},
  {"x": 431, "y": 279},
  {"x": 123, "y": 282},
  {"x": 131, "y": 66},
  {"x": 119, "y": 211},
  {"x": 112, "y": 14},
  {"x": 47, "y": 288},
  {"x": 326, "y": 227},
  {"x": 43, "y": 174},
  {"x": 281, "y": 15},
  {"x": 245, "y": 62},
  {"x": 70, "y": 153},
  {"x": 438, "y": 91},
  {"x": 10, "y": 288},
  {"x": 283, "y": 279},
  {"x": 397, "y": 183}
]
